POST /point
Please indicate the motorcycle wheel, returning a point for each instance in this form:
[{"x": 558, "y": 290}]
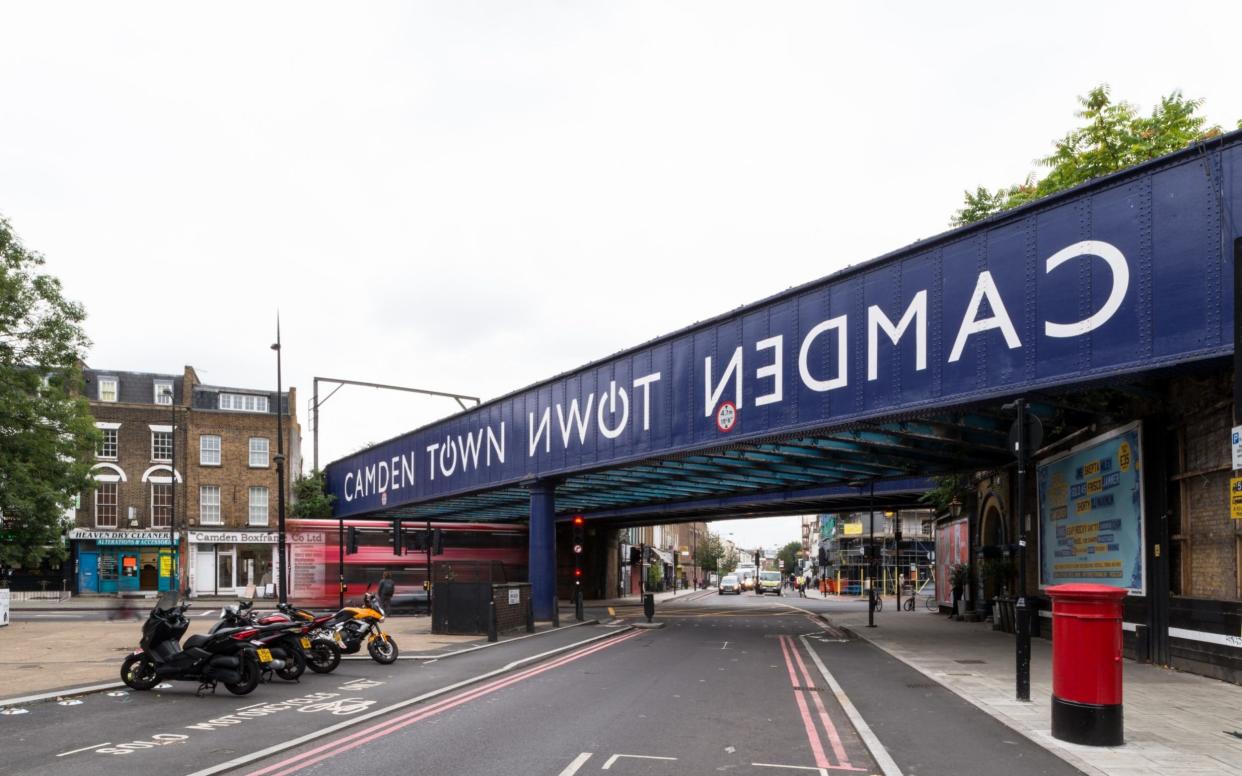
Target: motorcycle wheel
[
  {"x": 323, "y": 657},
  {"x": 295, "y": 665},
  {"x": 383, "y": 649},
  {"x": 250, "y": 676},
  {"x": 138, "y": 672}
]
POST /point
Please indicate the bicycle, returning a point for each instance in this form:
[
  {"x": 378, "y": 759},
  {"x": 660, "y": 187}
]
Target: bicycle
[{"x": 929, "y": 599}]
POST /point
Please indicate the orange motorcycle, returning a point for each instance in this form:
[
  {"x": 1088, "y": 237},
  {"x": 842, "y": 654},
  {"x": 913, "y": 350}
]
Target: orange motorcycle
[{"x": 351, "y": 625}]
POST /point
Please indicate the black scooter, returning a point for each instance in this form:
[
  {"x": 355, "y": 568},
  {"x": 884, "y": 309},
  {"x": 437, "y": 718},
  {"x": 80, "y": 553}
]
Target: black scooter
[{"x": 226, "y": 656}]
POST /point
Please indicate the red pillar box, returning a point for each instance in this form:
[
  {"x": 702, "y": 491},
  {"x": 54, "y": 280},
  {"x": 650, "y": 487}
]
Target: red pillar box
[{"x": 1086, "y": 664}]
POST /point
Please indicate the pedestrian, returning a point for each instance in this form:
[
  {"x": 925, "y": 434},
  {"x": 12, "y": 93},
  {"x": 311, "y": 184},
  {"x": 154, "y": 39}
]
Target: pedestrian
[{"x": 386, "y": 588}]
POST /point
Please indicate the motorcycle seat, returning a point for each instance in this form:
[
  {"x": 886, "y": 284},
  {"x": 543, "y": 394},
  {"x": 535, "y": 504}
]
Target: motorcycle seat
[{"x": 197, "y": 640}]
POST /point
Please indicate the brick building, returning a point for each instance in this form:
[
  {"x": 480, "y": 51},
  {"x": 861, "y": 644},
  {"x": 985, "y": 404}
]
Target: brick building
[{"x": 175, "y": 450}]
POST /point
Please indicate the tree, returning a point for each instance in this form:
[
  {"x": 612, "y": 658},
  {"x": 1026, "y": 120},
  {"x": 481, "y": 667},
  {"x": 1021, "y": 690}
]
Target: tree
[
  {"x": 709, "y": 553},
  {"x": 792, "y": 555},
  {"x": 311, "y": 497},
  {"x": 1114, "y": 136},
  {"x": 728, "y": 562},
  {"x": 47, "y": 435}
]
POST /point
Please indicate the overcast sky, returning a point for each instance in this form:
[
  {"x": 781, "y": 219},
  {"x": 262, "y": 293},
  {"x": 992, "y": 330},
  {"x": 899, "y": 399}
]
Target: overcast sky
[{"x": 473, "y": 196}]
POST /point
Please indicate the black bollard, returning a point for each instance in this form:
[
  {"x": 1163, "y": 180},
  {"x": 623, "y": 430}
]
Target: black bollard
[{"x": 649, "y": 606}]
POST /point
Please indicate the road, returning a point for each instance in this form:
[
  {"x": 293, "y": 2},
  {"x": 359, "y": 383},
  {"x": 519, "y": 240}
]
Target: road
[{"x": 735, "y": 685}]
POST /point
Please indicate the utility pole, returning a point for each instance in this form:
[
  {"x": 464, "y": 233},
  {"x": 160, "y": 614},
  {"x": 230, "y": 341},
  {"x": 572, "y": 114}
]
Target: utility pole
[
  {"x": 283, "y": 579},
  {"x": 1023, "y": 435},
  {"x": 871, "y": 560}
]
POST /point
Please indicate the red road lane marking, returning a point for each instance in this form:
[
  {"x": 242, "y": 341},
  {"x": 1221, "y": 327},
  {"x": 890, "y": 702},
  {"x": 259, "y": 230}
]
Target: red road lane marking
[
  {"x": 812, "y": 735},
  {"x": 354, "y": 740},
  {"x": 833, "y": 737}
]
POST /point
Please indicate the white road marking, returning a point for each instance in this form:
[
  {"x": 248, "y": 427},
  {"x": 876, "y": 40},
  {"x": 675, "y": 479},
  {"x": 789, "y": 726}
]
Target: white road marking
[
  {"x": 820, "y": 771},
  {"x": 204, "y": 614},
  {"x": 239, "y": 761},
  {"x": 56, "y": 615},
  {"x": 881, "y": 755},
  {"x": 573, "y": 767},
  {"x": 724, "y": 645},
  {"x": 615, "y": 757},
  {"x": 83, "y": 749}
]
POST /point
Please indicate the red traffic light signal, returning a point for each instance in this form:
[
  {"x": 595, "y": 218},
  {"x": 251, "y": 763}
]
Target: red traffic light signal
[
  {"x": 577, "y": 572},
  {"x": 579, "y": 520}
]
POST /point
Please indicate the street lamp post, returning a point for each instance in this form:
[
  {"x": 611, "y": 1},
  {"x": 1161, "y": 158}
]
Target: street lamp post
[
  {"x": 172, "y": 490},
  {"x": 283, "y": 578}
]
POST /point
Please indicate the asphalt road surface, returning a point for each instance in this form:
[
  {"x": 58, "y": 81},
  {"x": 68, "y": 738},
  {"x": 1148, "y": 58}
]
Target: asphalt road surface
[{"x": 736, "y": 685}]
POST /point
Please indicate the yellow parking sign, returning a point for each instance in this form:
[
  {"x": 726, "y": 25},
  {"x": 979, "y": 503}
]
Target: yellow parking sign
[{"x": 1235, "y": 498}]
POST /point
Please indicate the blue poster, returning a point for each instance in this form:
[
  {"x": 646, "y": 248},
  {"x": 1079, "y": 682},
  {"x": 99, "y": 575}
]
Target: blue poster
[{"x": 1091, "y": 525}]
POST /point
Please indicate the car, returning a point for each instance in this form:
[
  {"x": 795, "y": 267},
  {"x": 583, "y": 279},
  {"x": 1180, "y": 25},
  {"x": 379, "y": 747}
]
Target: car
[
  {"x": 769, "y": 582},
  {"x": 729, "y": 585}
]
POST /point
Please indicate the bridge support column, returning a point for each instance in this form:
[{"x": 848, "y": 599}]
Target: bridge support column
[{"x": 541, "y": 558}]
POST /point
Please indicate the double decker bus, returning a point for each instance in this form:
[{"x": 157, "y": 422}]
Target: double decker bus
[{"x": 315, "y": 566}]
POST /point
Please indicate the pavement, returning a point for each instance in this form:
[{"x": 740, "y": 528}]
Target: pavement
[
  {"x": 67, "y": 649},
  {"x": 1174, "y": 722}
]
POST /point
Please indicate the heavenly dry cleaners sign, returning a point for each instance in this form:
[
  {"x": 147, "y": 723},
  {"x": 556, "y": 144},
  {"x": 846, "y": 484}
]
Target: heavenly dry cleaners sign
[{"x": 624, "y": 407}]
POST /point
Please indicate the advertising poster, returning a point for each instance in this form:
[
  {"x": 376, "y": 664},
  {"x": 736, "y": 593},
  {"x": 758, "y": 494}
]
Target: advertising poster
[
  {"x": 1091, "y": 526},
  {"x": 952, "y": 548}
]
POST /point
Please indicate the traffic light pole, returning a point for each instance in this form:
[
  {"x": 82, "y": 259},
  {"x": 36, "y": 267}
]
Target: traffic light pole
[
  {"x": 1021, "y": 610},
  {"x": 871, "y": 561}
]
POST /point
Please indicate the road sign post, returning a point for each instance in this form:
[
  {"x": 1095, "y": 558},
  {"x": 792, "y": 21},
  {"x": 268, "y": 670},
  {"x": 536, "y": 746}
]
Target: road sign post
[{"x": 1024, "y": 434}]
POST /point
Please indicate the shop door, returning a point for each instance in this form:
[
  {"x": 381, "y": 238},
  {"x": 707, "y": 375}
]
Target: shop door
[
  {"x": 108, "y": 574},
  {"x": 226, "y": 582},
  {"x": 148, "y": 573},
  {"x": 129, "y": 567},
  {"x": 205, "y": 570},
  {"x": 88, "y": 572}
]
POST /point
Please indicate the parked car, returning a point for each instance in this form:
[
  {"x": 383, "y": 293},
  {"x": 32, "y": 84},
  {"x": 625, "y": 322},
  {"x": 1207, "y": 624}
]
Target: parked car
[
  {"x": 729, "y": 585},
  {"x": 769, "y": 582}
]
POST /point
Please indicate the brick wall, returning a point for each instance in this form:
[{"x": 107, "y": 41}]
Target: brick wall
[
  {"x": 1210, "y": 549},
  {"x": 134, "y": 460}
]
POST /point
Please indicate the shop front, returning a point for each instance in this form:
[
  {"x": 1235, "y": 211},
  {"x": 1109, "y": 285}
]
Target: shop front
[
  {"x": 112, "y": 562},
  {"x": 224, "y": 563}
]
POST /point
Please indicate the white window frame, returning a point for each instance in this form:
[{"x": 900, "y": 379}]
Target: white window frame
[
  {"x": 204, "y": 503},
  {"x": 202, "y": 458},
  {"x": 243, "y": 402},
  {"x": 267, "y": 449},
  {"x": 254, "y": 505},
  {"x": 155, "y": 485},
  {"x": 116, "y": 389},
  {"x": 158, "y": 388},
  {"x": 116, "y": 504},
  {"x": 103, "y": 444},
  {"x": 169, "y": 432}
]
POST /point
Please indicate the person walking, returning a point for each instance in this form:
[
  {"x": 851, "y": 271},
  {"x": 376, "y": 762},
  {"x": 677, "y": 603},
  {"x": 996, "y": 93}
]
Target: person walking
[{"x": 386, "y": 589}]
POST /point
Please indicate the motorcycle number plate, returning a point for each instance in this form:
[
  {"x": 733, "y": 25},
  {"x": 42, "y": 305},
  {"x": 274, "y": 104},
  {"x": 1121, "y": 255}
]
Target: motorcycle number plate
[
  {"x": 265, "y": 655},
  {"x": 306, "y": 643}
]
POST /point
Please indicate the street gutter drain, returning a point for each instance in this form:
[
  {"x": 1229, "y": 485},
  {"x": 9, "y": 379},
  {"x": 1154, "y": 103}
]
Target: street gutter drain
[{"x": 970, "y": 662}]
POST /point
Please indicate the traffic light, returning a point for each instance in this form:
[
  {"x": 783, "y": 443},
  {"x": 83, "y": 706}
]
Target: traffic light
[
  {"x": 823, "y": 555},
  {"x": 418, "y": 541},
  {"x": 758, "y": 555},
  {"x": 636, "y": 556},
  {"x": 351, "y": 540},
  {"x": 437, "y": 542},
  {"x": 579, "y": 530},
  {"x": 398, "y": 539}
]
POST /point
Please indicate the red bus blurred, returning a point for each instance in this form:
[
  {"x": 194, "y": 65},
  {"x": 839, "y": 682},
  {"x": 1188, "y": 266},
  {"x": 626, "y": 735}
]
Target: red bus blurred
[{"x": 316, "y": 558}]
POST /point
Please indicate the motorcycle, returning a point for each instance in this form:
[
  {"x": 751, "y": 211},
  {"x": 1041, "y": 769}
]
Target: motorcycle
[
  {"x": 226, "y": 656},
  {"x": 352, "y": 624},
  {"x": 322, "y": 653},
  {"x": 282, "y": 638}
]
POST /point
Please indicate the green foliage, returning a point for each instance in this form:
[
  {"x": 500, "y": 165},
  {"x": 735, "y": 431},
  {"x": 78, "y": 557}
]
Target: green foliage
[
  {"x": 1114, "y": 136},
  {"x": 311, "y": 497},
  {"x": 792, "y": 555},
  {"x": 710, "y": 553},
  {"x": 728, "y": 562},
  {"x": 959, "y": 576},
  {"x": 947, "y": 488},
  {"x": 47, "y": 434}
]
